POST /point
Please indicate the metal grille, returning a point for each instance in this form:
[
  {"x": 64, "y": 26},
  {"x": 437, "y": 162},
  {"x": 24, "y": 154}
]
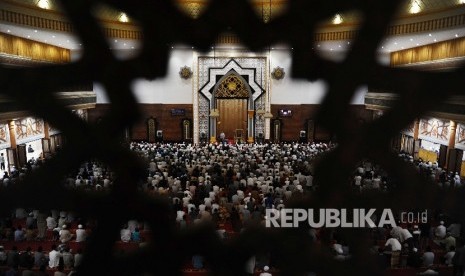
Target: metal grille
[{"x": 163, "y": 25}]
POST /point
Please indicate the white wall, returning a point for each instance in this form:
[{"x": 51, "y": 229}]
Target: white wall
[
  {"x": 174, "y": 90},
  {"x": 289, "y": 91},
  {"x": 171, "y": 89}
]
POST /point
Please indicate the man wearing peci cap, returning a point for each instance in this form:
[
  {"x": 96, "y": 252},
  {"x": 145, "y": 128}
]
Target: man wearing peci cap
[
  {"x": 65, "y": 234},
  {"x": 81, "y": 234},
  {"x": 265, "y": 271}
]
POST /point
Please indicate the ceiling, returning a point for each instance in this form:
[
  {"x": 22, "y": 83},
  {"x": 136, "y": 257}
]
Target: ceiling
[{"x": 391, "y": 43}]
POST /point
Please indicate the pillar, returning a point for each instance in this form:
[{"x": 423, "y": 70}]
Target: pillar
[
  {"x": 451, "y": 144},
  {"x": 212, "y": 129},
  {"x": 12, "y": 126},
  {"x": 250, "y": 115},
  {"x": 416, "y": 129},
  {"x": 46, "y": 130}
]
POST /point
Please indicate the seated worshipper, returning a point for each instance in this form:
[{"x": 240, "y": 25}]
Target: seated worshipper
[
  {"x": 125, "y": 234},
  {"x": 414, "y": 258},
  {"x": 440, "y": 233},
  {"x": 448, "y": 242},
  {"x": 3, "y": 255},
  {"x": 39, "y": 257},
  {"x": 81, "y": 234},
  {"x": 78, "y": 258},
  {"x": 135, "y": 236},
  {"x": 393, "y": 245},
  {"x": 429, "y": 272},
  {"x": 54, "y": 257},
  {"x": 339, "y": 253},
  {"x": 454, "y": 230},
  {"x": 30, "y": 234},
  {"x": 68, "y": 258},
  {"x": 65, "y": 234},
  {"x": 265, "y": 271},
  {"x": 428, "y": 257},
  {"x": 449, "y": 256},
  {"x": 197, "y": 261},
  {"x": 26, "y": 259},
  {"x": 51, "y": 222},
  {"x": 60, "y": 270},
  {"x": 19, "y": 234}
]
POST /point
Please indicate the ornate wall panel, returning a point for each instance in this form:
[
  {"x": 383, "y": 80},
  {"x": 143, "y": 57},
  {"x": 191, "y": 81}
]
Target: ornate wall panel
[
  {"x": 460, "y": 136},
  {"x": 434, "y": 130},
  {"x": 4, "y": 136},
  {"x": 29, "y": 129},
  {"x": 209, "y": 68}
]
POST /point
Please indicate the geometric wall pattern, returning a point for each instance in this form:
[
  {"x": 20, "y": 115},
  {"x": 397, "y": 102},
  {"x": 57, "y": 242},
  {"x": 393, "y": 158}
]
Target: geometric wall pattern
[
  {"x": 434, "y": 130},
  {"x": 209, "y": 68}
]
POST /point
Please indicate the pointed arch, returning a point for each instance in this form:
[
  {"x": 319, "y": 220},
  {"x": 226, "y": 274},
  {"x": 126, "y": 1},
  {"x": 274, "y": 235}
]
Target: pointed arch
[{"x": 232, "y": 85}]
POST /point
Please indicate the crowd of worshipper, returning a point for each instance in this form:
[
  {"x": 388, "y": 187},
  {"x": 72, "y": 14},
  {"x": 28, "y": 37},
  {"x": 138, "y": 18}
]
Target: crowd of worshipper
[
  {"x": 233, "y": 185},
  {"x": 228, "y": 183},
  {"x": 371, "y": 176}
]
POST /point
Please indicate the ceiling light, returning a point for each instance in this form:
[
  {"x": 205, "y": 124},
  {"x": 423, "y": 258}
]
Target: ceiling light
[
  {"x": 348, "y": 42},
  {"x": 123, "y": 18},
  {"x": 8, "y": 31},
  {"x": 331, "y": 49},
  {"x": 415, "y": 6},
  {"x": 429, "y": 34},
  {"x": 35, "y": 31},
  {"x": 28, "y": 36},
  {"x": 418, "y": 44},
  {"x": 461, "y": 1},
  {"x": 411, "y": 39},
  {"x": 339, "y": 46},
  {"x": 43, "y": 4},
  {"x": 116, "y": 41},
  {"x": 435, "y": 40},
  {"x": 395, "y": 43},
  {"x": 382, "y": 47},
  {"x": 53, "y": 36},
  {"x": 456, "y": 35},
  {"x": 337, "y": 19}
]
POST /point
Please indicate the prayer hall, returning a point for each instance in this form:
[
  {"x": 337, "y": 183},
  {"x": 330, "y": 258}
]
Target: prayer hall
[{"x": 232, "y": 137}]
